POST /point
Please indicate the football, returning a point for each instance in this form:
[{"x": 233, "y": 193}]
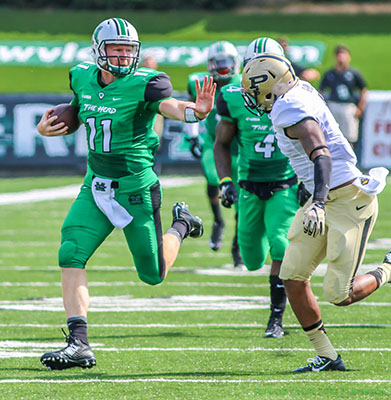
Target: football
[{"x": 68, "y": 114}]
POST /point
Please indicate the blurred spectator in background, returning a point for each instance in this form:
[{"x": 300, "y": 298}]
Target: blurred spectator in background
[
  {"x": 345, "y": 91},
  {"x": 149, "y": 62},
  {"x": 308, "y": 74}
]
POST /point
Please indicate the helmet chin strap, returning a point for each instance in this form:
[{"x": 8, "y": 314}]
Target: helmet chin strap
[{"x": 118, "y": 69}]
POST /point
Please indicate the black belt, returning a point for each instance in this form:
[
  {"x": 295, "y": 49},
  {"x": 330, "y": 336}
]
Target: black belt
[
  {"x": 265, "y": 190},
  {"x": 114, "y": 184}
]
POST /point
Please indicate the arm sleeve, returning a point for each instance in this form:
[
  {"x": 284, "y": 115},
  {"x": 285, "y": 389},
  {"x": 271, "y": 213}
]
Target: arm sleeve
[
  {"x": 75, "y": 100},
  {"x": 222, "y": 107},
  {"x": 158, "y": 88}
]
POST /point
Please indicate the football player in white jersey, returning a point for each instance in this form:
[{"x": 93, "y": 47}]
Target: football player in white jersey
[{"x": 337, "y": 220}]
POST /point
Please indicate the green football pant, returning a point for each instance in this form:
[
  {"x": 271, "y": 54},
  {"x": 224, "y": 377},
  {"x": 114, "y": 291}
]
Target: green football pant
[
  {"x": 263, "y": 225},
  {"x": 86, "y": 227}
]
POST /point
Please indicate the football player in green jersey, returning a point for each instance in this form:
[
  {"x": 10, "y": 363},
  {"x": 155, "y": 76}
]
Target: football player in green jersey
[
  {"x": 268, "y": 185},
  {"x": 118, "y": 104},
  {"x": 223, "y": 66}
]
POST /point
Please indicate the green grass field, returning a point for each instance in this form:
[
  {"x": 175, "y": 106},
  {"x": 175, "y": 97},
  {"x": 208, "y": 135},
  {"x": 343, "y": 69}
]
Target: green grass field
[{"x": 199, "y": 335}]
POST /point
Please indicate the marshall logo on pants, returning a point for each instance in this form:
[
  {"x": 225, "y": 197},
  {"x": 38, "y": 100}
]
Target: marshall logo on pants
[{"x": 136, "y": 199}]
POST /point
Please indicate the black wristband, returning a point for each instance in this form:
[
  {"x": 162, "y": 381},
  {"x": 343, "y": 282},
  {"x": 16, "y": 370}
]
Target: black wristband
[{"x": 322, "y": 177}]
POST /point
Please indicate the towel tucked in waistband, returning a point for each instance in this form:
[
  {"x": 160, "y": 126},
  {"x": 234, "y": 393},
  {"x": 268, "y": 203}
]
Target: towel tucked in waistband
[
  {"x": 374, "y": 182},
  {"x": 103, "y": 193}
]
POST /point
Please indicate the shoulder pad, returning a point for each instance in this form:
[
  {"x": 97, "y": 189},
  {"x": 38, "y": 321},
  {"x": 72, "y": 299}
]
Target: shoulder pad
[
  {"x": 141, "y": 73},
  {"x": 85, "y": 65}
]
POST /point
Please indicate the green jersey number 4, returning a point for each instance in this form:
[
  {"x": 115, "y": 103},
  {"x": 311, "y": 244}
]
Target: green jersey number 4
[
  {"x": 266, "y": 146},
  {"x": 106, "y": 128}
]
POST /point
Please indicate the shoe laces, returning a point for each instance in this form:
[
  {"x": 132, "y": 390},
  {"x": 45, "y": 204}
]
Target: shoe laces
[
  {"x": 69, "y": 338},
  {"x": 316, "y": 361}
]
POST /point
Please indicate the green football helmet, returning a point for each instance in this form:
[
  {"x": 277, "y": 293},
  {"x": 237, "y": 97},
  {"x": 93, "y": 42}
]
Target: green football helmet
[
  {"x": 115, "y": 31},
  {"x": 223, "y": 61},
  {"x": 262, "y": 45}
]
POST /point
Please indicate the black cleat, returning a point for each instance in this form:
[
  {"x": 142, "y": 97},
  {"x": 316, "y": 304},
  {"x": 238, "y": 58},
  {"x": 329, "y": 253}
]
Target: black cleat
[
  {"x": 236, "y": 257},
  {"x": 216, "y": 238},
  {"x": 274, "y": 326},
  {"x": 387, "y": 258},
  {"x": 318, "y": 364},
  {"x": 76, "y": 354},
  {"x": 385, "y": 268},
  {"x": 180, "y": 212}
]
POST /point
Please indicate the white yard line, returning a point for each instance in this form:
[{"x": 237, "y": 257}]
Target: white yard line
[
  {"x": 15, "y": 349},
  {"x": 179, "y": 380},
  {"x": 237, "y": 349},
  {"x": 225, "y": 270},
  {"x": 184, "y": 326},
  {"x": 71, "y": 191},
  {"x": 127, "y": 303},
  {"x": 127, "y": 283}
]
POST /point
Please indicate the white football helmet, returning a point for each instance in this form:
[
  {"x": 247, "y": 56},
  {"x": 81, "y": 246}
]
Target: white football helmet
[
  {"x": 115, "y": 31},
  {"x": 264, "y": 78},
  {"x": 262, "y": 45},
  {"x": 223, "y": 61}
]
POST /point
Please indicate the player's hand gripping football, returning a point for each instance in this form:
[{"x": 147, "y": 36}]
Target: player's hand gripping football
[
  {"x": 314, "y": 219},
  {"x": 229, "y": 194},
  {"x": 205, "y": 98},
  {"x": 45, "y": 127}
]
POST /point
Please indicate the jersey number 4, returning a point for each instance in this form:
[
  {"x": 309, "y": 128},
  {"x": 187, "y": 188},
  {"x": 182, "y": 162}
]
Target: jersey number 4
[
  {"x": 106, "y": 129},
  {"x": 266, "y": 146}
]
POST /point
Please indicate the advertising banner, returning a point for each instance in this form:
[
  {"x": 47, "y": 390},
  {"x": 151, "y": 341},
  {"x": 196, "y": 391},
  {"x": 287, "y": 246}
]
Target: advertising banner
[
  {"x": 187, "y": 54},
  {"x": 22, "y": 147},
  {"x": 376, "y": 130}
]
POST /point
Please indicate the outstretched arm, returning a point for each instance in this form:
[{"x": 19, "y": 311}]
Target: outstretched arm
[{"x": 175, "y": 109}]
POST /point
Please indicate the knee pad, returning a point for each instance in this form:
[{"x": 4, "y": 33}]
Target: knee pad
[
  {"x": 67, "y": 255},
  {"x": 252, "y": 261}
]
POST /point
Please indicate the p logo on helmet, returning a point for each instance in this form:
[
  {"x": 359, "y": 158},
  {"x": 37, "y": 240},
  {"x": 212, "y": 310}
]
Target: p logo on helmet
[
  {"x": 265, "y": 78},
  {"x": 256, "y": 80}
]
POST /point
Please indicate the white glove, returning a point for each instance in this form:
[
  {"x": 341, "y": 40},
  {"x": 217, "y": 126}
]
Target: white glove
[{"x": 314, "y": 219}]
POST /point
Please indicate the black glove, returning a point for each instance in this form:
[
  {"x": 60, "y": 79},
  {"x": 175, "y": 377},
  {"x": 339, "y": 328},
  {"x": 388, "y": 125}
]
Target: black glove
[
  {"x": 195, "y": 147},
  {"x": 229, "y": 194},
  {"x": 303, "y": 194}
]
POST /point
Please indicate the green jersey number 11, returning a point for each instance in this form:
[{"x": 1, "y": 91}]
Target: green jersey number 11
[{"x": 106, "y": 128}]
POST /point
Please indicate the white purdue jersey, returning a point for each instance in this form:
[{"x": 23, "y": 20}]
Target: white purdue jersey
[{"x": 304, "y": 101}]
